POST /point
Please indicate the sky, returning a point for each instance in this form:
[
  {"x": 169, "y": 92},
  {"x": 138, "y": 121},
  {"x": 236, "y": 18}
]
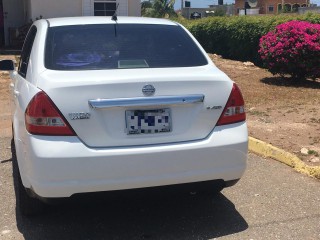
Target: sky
[{"x": 205, "y": 3}]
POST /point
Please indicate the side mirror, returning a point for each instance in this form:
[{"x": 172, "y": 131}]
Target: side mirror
[{"x": 6, "y": 65}]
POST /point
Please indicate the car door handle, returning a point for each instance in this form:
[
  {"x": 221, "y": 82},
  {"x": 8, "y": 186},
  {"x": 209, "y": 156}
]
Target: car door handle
[{"x": 16, "y": 93}]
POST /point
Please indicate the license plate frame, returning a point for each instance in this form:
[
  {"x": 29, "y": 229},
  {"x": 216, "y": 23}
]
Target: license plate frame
[{"x": 149, "y": 121}]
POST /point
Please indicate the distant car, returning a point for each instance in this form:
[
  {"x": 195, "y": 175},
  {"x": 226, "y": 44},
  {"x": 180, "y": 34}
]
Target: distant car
[{"x": 103, "y": 105}]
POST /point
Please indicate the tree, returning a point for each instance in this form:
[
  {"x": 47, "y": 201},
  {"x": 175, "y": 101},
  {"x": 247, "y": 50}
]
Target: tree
[
  {"x": 164, "y": 8},
  {"x": 292, "y": 48},
  {"x": 146, "y": 8},
  {"x": 158, "y": 8},
  {"x": 219, "y": 12}
]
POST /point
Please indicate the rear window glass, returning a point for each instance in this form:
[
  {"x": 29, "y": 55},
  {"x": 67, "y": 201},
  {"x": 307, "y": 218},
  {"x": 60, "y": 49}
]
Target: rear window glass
[{"x": 120, "y": 46}]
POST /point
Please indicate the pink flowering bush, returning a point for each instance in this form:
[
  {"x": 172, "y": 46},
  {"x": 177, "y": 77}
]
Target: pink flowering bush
[{"x": 292, "y": 48}]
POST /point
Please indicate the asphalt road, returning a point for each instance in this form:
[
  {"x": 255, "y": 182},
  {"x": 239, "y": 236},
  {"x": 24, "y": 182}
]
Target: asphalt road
[{"x": 270, "y": 202}]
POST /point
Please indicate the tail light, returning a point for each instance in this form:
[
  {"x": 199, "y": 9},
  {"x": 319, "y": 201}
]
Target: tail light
[
  {"x": 234, "y": 111},
  {"x": 42, "y": 117}
]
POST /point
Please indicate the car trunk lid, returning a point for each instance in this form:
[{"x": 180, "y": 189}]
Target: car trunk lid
[{"x": 107, "y": 108}]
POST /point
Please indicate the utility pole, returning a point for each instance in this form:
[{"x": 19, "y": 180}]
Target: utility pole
[
  {"x": 182, "y": 7},
  {"x": 245, "y": 7}
]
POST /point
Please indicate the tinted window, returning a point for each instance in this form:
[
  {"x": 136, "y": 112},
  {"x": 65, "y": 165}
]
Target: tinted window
[
  {"x": 113, "y": 46},
  {"x": 26, "y": 51}
]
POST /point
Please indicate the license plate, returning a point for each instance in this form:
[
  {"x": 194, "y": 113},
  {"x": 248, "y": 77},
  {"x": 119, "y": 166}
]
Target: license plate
[{"x": 148, "y": 121}]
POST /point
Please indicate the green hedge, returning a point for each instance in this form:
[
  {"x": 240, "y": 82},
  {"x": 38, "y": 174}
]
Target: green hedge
[{"x": 238, "y": 37}]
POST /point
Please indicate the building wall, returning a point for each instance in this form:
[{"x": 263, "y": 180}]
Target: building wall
[
  {"x": 13, "y": 16},
  {"x": 134, "y": 8},
  {"x": 70, "y": 8},
  {"x": 50, "y": 9},
  {"x": 27, "y": 10},
  {"x": 264, "y": 5},
  {"x": 304, "y": 10},
  {"x": 20, "y": 12},
  {"x": 186, "y": 12}
]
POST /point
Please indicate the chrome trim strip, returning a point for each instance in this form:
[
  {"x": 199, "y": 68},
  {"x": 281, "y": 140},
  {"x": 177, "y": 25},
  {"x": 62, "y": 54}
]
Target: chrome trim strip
[{"x": 146, "y": 101}]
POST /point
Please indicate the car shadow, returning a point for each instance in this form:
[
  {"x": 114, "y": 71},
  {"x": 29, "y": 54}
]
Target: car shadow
[
  {"x": 289, "y": 82},
  {"x": 136, "y": 214},
  {"x": 151, "y": 213}
]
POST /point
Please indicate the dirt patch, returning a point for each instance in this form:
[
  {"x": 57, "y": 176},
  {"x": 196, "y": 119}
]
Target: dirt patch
[
  {"x": 279, "y": 111},
  {"x": 5, "y": 109}
]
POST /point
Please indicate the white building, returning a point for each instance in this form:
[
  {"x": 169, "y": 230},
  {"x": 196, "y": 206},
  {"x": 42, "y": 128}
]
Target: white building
[{"x": 19, "y": 12}]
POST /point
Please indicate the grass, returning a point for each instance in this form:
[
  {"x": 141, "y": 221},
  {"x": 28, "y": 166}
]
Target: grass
[
  {"x": 314, "y": 120},
  {"x": 259, "y": 113},
  {"x": 313, "y": 152}
]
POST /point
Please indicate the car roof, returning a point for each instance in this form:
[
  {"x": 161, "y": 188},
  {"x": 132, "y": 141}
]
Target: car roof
[{"x": 66, "y": 21}]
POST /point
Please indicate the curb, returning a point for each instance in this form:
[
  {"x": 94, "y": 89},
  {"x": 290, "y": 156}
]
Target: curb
[{"x": 267, "y": 150}]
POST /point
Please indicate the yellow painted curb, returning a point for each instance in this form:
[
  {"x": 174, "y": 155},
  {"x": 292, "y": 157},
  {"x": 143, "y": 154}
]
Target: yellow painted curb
[{"x": 267, "y": 150}]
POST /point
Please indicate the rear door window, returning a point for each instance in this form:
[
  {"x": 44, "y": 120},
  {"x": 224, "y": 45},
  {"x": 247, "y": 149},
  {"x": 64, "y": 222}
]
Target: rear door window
[{"x": 120, "y": 46}]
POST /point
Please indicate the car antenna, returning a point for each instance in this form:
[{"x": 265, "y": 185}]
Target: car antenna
[{"x": 115, "y": 18}]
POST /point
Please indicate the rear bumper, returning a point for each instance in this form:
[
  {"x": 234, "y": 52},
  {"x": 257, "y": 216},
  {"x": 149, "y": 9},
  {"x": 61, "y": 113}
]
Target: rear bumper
[{"x": 63, "y": 166}]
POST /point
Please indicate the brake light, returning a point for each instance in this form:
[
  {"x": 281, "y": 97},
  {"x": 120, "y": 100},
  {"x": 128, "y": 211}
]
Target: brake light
[
  {"x": 234, "y": 111},
  {"x": 42, "y": 117}
]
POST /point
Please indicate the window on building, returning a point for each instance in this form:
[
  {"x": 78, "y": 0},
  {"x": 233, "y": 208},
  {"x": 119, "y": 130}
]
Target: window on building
[
  {"x": 287, "y": 7},
  {"x": 271, "y": 8},
  {"x": 295, "y": 7},
  {"x": 280, "y": 7},
  {"x": 105, "y": 8}
]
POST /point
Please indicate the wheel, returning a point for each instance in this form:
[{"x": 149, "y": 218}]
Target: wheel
[{"x": 28, "y": 206}]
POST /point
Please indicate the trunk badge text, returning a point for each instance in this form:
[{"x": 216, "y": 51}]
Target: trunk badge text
[
  {"x": 148, "y": 90},
  {"x": 214, "y": 107},
  {"x": 79, "y": 115}
]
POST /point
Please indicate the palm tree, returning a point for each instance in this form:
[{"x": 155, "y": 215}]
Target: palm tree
[
  {"x": 164, "y": 8},
  {"x": 146, "y": 8},
  {"x": 160, "y": 8}
]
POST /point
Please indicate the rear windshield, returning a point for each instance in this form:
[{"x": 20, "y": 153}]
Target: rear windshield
[{"x": 119, "y": 46}]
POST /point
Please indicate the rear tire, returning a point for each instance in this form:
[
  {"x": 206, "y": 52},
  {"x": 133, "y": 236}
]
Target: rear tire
[{"x": 28, "y": 206}]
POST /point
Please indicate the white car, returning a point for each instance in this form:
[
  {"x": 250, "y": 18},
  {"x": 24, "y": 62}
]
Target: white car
[{"x": 102, "y": 104}]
